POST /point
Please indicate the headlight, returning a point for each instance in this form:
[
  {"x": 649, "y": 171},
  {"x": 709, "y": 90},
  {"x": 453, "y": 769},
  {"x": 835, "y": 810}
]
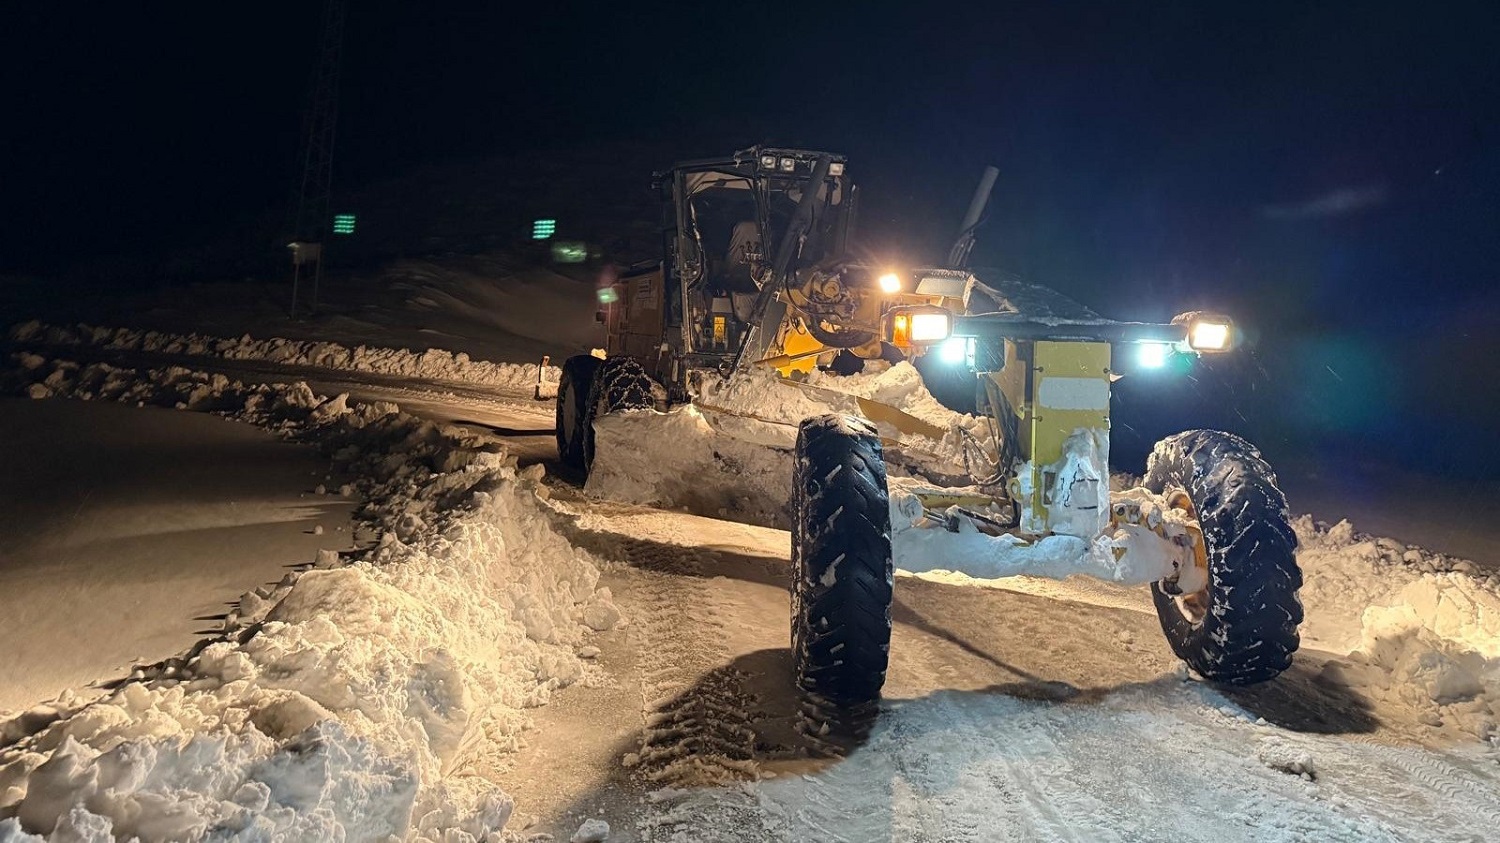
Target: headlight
[
  {"x": 930, "y": 327},
  {"x": 836, "y": 168},
  {"x": 1206, "y": 331},
  {"x": 1208, "y": 335},
  {"x": 890, "y": 283}
]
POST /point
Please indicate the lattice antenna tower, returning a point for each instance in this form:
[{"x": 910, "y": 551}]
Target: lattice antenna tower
[{"x": 319, "y": 122}]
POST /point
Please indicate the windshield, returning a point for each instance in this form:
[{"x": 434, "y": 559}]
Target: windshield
[{"x": 732, "y": 212}]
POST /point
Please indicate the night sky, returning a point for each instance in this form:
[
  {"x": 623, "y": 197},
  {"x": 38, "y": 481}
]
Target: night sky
[{"x": 1333, "y": 167}]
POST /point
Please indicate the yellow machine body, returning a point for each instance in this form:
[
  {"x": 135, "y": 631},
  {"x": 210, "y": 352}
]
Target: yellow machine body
[{"x": 1054, "y": 390}]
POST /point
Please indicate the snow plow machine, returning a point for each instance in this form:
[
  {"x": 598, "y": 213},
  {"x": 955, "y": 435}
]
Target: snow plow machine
[{"x": 756, "y": 276}]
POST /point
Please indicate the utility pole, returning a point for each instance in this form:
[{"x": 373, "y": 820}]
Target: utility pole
[{"x": 310, "y": 224}]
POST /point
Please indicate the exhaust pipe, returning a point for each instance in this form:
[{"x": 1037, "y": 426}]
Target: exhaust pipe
[{"x": 958, "y": 256}]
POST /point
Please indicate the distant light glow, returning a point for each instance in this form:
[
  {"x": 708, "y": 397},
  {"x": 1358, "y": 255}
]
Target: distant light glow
[
  {"x": 608, "y": 295},
  {"x": 343, "y": 223},
  {"x": 890, "y": 283},
  {"x": 1153, "y": 355},
  {"x": 569, "y": 251},
  {"x": 543, "y": 229},
  {"x": 1209, "y": 336}
]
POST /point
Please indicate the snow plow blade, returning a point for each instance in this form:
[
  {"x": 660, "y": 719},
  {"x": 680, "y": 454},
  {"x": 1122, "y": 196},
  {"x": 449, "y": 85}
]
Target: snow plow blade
[{"x": 882, "y": 414}]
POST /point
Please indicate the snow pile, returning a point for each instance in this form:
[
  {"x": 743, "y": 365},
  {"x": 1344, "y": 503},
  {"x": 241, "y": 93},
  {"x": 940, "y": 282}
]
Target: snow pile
[
  {"x": 431, "y": 364},
  {"x": 731, "y": 455},
  {"x": 900, "y": 386},
  {"x": 703, "y": 462},
  {"x": 765, "y": 395},
  {"x": 1422, "y": 630},
  {"x": 346, "y": 702}
]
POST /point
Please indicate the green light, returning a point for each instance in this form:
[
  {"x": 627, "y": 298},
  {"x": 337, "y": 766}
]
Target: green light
[
  {"x": 607, "y": 295},
  {"x": 343, "y": 223},
  {"x": 568, "y": 251},
  {"x": 543, "y": 229}
]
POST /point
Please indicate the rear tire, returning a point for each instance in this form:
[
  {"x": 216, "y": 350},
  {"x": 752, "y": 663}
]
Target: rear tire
[
  {"x": 842, "y": 573},
  {"x": 1243, "y": 628},
  {"x": 620, "y": 383},
  {"x": 573, "y": 388}
]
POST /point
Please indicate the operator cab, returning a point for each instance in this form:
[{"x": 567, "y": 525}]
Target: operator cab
[
  {"x": 727, "y": 231},
  {"x": 726, "y": 220}
]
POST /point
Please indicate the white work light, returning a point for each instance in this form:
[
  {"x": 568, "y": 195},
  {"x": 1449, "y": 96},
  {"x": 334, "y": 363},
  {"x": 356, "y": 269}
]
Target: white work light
[
  {"x": 890, "y": 283},
  {"x": 956, "y": 349},
  {"x": 1153, "y": 355}
]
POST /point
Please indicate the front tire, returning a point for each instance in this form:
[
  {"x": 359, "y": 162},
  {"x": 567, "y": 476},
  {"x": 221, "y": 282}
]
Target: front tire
[
  {"x": 842, "y": 572},
  {"x": 1242, "y": 628},
  {"x": 573, "y": 388},
  {"x": 620, "y": 383}
]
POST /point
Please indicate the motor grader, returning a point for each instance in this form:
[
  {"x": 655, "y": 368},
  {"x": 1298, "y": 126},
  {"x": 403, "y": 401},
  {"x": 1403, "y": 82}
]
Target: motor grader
[{"x": 758, "y": 272}]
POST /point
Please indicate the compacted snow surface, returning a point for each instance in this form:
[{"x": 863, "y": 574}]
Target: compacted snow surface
[
  {"x": 377, "y": 697},
  {"x": 106, "y": 507}
]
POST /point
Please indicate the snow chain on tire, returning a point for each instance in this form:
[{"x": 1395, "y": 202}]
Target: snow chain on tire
[
  {"x": 573, "y": 389},
  {"x": 842, "y": 572},
  {"x": 620, "y": 383},
  {"x": 1248, "y": 632}
]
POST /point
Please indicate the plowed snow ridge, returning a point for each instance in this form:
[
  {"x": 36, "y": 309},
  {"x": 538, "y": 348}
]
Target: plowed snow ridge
[
  {"x": 343, "y": 703},
  {"x": 431, "y": 364}
]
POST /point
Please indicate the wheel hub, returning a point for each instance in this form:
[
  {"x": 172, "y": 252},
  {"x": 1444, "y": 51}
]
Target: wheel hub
[{"x": 1190, "y": 587}]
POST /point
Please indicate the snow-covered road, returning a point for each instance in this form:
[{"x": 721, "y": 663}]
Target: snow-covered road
[
  {"x": 1037, "y": 711},
  {"x": 1021, "y": 710},
  {"x": 125, "y": 531}
]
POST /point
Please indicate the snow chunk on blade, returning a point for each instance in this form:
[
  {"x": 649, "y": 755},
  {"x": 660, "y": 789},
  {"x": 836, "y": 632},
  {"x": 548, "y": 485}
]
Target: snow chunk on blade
[
  {"x": 729, "y": 455},
  {"x": 343, "y": 703}
]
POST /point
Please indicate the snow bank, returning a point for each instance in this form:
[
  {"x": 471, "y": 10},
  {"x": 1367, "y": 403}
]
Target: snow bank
[
  {"x": 431, "y": 364},
  {"x": 345, "y": 702},
  {"x": 1422, "y": 630}
]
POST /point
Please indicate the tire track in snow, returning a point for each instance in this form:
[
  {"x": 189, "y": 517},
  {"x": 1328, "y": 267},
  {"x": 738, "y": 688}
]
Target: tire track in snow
[
  {"x": 696, "y": 729},
  {"x": 1148, "y": 764},
  {"x": 1438, "y": 774}
]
